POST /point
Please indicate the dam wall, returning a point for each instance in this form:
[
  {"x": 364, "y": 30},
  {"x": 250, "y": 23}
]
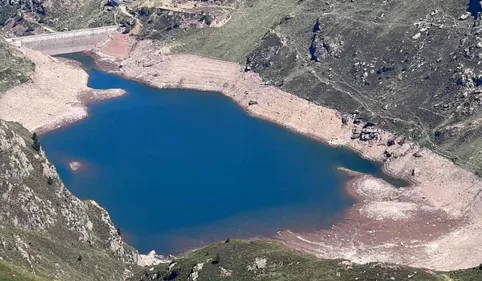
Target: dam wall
[{"x": 64, "y": 42}]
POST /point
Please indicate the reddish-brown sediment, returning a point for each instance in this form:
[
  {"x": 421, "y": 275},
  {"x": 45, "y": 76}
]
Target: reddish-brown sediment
[
  {"x": 434, "y": 223},
  {"x": 118, "y": 46}
]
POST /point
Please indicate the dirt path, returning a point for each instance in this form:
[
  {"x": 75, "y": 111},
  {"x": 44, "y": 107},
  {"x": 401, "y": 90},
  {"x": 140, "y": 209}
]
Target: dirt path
[{"x": 436, "y": 223}]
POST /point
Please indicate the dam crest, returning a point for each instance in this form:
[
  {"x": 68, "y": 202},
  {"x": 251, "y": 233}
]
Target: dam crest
[{"x": 64, "y": 42}]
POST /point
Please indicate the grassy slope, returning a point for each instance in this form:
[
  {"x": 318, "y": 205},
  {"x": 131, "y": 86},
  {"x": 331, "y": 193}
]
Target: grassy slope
[
  {"x": 11, "y": 64},
  {"x": 57, "y": 15},
  {"x": 9, "y": 272},
  {"x": 76, "y": 14},
  {"x": 283, "y": 264},
  {"x": 55, "y": 251},
  {"x": 423, "y": 72},
  {"x": 235, "y": 40},
  {"x": 14, "y": 69}
]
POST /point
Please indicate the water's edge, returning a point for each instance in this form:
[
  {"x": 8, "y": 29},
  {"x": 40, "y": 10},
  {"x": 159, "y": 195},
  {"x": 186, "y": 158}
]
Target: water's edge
[{"x": 88, "y": 62}]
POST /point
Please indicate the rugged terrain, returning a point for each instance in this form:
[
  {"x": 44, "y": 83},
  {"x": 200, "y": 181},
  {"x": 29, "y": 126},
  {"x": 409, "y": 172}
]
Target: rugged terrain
[
  {"x": 14, "y": 68},
  {"x": 442, "y": 206},
  {"x": 262, "y": 260},
  {"x": 408, "y": 67},
  {"x": 44, "y": 229},
  {"x": 27, "y": 17}
]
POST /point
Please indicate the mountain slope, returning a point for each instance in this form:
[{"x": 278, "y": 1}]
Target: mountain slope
[
  {"x": 263, "y": 260},
  {"x": 411, "y": 67},
  {"x": 45, "y": 228},
  {"x": 9, "y": 272},
  {"x": 14, "y": 68},
  {"x": 22, "y": 17}
]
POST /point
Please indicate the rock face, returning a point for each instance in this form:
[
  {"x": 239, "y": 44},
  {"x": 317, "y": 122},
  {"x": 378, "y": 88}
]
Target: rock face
[
  {"x": 323, "y": 46},
  {"x": 412, "y": 68},
  {"x": 44, "y": 227},
  {"x": 27, "y": 17},
  {"x": 14, "y": 68}
]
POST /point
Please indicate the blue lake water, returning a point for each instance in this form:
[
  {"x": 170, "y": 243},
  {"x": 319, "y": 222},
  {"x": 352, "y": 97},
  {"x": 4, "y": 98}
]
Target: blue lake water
[
  {"x": 474, "y": 8},
  {"x": 178, "y": 169}
]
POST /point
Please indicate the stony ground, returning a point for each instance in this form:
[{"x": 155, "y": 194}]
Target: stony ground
[
  {"x": 409, "y": 66},
  {"x": 14, "y": 68},
  {"x": 442, "y": 207},
  {"x": 22, "y": 18},
  {"x": 45, "y": 232},
  {"x": 43, "y": 227},
  {"x": 262, "y": 260}
]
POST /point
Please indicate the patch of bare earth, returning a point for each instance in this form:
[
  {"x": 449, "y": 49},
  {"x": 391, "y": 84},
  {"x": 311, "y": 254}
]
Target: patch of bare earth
[
  {"x": 435, "y": 223},
  {"x": 117, "y": 47},
  {"x": 57, "y": 94}
]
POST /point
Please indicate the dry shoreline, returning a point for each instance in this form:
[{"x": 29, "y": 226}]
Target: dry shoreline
[
  {"x": 422, "y": 225},
  {"x": 56, "y": 95},
  {"x": 434, "y": 223}
]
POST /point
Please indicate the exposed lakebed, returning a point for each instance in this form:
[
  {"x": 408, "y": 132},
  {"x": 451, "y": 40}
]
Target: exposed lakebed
[{"x": 178, "y": 169}]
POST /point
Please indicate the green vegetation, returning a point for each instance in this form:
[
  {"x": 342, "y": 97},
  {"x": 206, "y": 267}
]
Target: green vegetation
[
  {"x": 76, "y": 14},
  {"x": 56, "y": 236},
  {"x": 236, "y": 39},
  {"x": 26, "y": 18},
  {"x": 243, "y": 260},
  {"x": 6, "y": 13},
  {"x": 412, "y": 67},
  {"x": 14, "y": 68},
  {"x": 9, "y": 272},
  {"x": 36, "y": 143}
]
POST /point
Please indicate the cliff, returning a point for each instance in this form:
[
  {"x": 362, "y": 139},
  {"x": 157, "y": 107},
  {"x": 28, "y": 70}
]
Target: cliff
[{"x": 46, "y": 229}]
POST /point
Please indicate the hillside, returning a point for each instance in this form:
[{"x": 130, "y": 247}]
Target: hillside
[
  {"x": 44, "y": 229},
  {"x": 21, "y": 17},
  {"x": 14, "y": 68},
  {"x": 411, "y": 67},
  {"x": 262, "y": 260}
]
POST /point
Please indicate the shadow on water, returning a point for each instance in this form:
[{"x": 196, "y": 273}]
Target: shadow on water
[
  {"x": 87, "y": 61},
  {"x": 177, "y": 169},
  {"x": 474, "y": 8}
]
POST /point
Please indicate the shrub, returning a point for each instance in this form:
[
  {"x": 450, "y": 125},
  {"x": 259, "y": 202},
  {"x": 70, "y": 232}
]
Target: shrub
[{"x": 36, "y": 142}]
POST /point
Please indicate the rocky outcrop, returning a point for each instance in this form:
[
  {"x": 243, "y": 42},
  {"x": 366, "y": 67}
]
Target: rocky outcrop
[
  {"x": 27, "y": 17},
  {"x": 323, "y": 45},
  {"x": 14, "y": 67},
  {"x": 44, "y": 227}
]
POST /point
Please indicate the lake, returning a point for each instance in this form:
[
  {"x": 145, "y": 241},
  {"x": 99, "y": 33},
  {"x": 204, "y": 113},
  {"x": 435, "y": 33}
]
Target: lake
[
  {"x": 178, "y": 169},
  {"x": 474, "y": 8}
]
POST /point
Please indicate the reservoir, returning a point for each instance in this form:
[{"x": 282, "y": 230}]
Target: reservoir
[
  {"x": 178, "y": 169},
  {"x": 474, "y": 8}
]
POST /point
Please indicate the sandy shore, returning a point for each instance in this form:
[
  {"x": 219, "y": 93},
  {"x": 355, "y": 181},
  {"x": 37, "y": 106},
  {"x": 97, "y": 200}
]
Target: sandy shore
[
  {"x": 57, "y": 94},
  {"x": 435, "y": 223}
]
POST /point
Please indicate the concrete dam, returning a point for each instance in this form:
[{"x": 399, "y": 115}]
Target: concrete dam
[{"x": 64, "y": 42}]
